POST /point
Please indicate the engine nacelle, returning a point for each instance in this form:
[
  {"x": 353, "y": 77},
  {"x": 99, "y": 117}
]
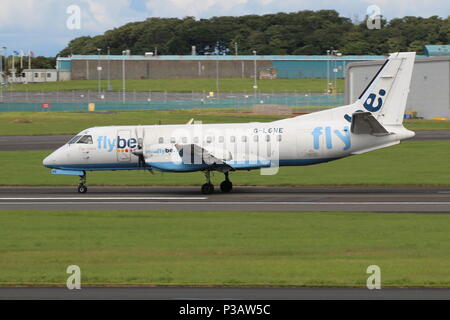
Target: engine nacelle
[{"x": 166, "y": 157}]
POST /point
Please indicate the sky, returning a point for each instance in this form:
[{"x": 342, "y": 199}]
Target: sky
[{"x": 46, "y": 26}]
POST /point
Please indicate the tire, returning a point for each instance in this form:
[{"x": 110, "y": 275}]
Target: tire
[
  {"x": 82, "y": 189},
  {"x": 226, "y": 186},
  {"x": 207, "y": 188}
]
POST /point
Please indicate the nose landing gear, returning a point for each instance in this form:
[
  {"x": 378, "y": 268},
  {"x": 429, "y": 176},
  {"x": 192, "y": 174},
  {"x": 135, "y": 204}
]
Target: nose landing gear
[{"x": 82, "y": 186}]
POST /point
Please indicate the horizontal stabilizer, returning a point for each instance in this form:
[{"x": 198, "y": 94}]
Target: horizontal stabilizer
[{"x": 365, "y": 123}]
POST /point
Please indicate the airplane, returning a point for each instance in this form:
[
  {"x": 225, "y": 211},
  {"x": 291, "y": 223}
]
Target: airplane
[{"x": 373, "y": 121}]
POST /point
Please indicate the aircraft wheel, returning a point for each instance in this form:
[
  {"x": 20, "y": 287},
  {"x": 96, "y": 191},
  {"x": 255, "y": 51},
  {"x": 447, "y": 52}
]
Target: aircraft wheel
[
  {"x": 226, "y": 186},
  {"x": 207, "y": 188},
  {"x": 82, "y": 189}
]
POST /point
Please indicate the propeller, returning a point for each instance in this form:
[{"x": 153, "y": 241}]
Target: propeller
[{"x": 139, "y": 152}]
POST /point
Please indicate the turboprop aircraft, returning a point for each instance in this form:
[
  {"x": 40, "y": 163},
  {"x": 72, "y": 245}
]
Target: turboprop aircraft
[{"x": 372, "y": 122}]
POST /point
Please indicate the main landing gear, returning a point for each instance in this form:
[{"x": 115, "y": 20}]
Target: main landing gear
[
  {"x": 208, "y": 188},
  {"x": 226, "y": 186},
  {"x": 82, "y": 186}
]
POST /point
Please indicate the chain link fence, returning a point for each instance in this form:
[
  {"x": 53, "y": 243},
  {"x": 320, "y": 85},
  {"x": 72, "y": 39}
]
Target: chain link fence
[{"x": 79, "y": 100}]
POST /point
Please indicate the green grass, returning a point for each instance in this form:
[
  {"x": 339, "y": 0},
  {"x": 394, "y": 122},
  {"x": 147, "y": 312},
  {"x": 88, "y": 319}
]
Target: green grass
[
  {"x": 224, "y": 248},
  {"x": 410, "y": 163},
  {"x": 42, "y": 123},
  {"x": 187, "y": 85},
  {"x": 427, "y": 124}
]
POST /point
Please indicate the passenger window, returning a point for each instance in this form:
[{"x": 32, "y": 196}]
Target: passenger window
[
  {"x": 74, "y": 139},
  {"x": 172, "y": 140},
  {"x": 196, "y": 139},
  {"x": 184, "y": 140},
  {"x": 221, "y": 139},
  {"x": 161, "y": 140},
  {"x": 279, "y": 138},
  {"x": 244, "y": 139},
  {"x": 255, "y": 138},
  {"x": 267, "y": 138},
  {"x": 232, "y": 139},
  {"x": 208, "y": 139},
  {"x": 85, "y": 140}
]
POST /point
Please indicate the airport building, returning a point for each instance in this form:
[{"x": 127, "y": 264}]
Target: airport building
[
  {"x": 429, "y": 96},
  {"x": 93, "y": 67},
  {"x": 149, "y": 66},
  {"x": 37, "y": 75}
]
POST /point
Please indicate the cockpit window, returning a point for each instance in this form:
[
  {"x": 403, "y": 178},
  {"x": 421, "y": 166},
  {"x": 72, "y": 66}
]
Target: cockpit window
[
  {"x": 85, "y": 140},
  {"x": 74, "y": 139}
]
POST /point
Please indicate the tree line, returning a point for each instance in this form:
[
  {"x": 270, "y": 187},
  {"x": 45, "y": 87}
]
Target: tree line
[{"x": 300, "y": 33}]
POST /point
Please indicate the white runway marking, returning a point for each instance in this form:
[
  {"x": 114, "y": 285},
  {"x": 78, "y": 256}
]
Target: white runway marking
[
  {"x": 222, "y": 202},
  {"x": 108, "y": 198}
]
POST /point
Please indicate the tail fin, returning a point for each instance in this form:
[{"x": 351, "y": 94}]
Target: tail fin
[{"x": 386, "y": 94}]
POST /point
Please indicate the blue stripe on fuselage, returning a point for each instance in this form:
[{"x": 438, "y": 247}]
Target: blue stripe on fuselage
[{"x": 179, "y": 167}]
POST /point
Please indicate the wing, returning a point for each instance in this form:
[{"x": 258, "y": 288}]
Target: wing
[
  {"x": 195, "y": 154},
  {"x": 219, "y": 159}
]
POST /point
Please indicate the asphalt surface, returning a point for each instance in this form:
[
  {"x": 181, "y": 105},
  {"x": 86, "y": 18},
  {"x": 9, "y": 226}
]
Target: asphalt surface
[
  {"x": 217, "y": 293},
  {"x": 432, "y": 135},
  {"x": 294, "y": 199},
  {"x": 19, "y": 143},
  {"x": 50, "y": 142}
]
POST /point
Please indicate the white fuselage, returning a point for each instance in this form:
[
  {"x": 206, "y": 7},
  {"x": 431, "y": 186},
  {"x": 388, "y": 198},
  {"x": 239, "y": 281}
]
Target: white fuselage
[{"x": 304, "y": 140}]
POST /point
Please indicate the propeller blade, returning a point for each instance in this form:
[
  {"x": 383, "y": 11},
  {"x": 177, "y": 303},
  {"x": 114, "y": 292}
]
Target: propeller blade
[{"x": 140, "y": 152}]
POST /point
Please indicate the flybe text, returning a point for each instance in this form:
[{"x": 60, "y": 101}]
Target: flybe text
[
  {"x": 104, "y": 142},
  {"x": 342, "y": 135}
]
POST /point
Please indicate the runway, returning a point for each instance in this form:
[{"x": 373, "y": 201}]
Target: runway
[
  {"x": 293, "y": 199},
  {"x": 20, "y": 143},
  {"x": 51, "y": 142},
  {"x": 218, "y": 293}
]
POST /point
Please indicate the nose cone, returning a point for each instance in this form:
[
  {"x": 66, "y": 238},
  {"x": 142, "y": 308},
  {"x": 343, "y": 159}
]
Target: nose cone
[
  {"x": 55, "y": 159},
  {"x": 49, "y": 161}
]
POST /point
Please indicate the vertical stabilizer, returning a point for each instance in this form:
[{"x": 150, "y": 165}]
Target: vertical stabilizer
[{"x": 385, "y": 96}]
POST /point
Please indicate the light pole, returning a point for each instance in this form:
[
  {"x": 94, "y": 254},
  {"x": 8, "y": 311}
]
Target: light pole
[
  {"x": 235, "y": 49},
  {"x": 1, "y": 73},
  {"x": 109, "y": 69},
  {"x": 123, "y": 75},
  {"x": 335, "y": 69},
  {"x": 255, "y": 84},
  {"x": 332, "y": 62},
  {"x": 217, "y": 76},
  {"x": 328, "y": 71},
  {"x": 1, "y": 63},
  {"x": 99, "y": 69}
]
